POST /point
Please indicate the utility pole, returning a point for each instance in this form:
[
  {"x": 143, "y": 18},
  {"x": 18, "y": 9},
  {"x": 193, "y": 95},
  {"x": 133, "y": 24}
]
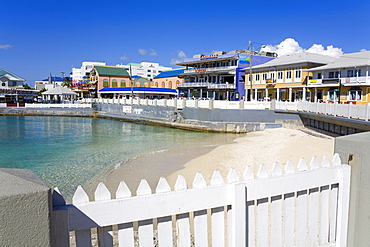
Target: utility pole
[{"x": 250, "y": 71}]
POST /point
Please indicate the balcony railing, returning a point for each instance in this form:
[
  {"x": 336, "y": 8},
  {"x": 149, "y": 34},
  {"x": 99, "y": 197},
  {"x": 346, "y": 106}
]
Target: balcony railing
[
  {"x": 207, "y": 85},
  {"x": 203, "y": 70},
  {"x": 346, "y": 80}
]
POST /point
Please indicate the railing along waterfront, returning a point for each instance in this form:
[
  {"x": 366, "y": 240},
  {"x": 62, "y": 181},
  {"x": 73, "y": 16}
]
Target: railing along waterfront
[
  {"x": 333, "y": 109},
  {"x": 303, "y": 206},
  {"x": 191, "y": 103},
  {"x": 32, "y": 105}
]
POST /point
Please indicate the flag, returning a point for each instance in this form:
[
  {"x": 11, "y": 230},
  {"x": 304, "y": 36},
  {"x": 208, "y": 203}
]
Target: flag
[{"x": 244, "y": 59}]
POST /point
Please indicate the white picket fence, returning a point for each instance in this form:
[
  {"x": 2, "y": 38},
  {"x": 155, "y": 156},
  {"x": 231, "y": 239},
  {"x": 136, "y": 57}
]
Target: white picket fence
[
  {"x": 307, "y": 206},
  {"x": 338, "y": 110}
]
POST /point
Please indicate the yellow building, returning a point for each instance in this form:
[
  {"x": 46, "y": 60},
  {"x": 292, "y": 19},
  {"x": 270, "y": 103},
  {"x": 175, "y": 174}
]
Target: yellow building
[
  {"x": 284, "y": 78},
  {"x": 345, "y": 80}
]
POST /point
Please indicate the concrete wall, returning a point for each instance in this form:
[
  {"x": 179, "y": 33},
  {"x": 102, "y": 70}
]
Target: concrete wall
[
  {"x": 25, "y": 203},
  {"x": 82, "y": 112},
  {"x": 217, "y": 120},
  {"x": 355, "y": 149}
]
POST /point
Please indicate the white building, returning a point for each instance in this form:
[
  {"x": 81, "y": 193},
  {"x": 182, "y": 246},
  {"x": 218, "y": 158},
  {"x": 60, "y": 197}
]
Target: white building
[
  {"x": 145, "y": 69},
  {"x": 79, "y": 73}
]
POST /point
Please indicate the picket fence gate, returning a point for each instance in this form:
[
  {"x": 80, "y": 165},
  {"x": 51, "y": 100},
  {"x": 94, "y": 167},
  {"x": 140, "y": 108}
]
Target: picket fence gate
[{"x": 303, "y": 206}]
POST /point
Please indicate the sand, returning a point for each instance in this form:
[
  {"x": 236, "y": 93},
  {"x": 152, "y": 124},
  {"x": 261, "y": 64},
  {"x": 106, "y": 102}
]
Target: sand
[{"x": 252, "y": 149}]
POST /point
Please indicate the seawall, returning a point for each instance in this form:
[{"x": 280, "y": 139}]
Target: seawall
[
  {"x": 211, "y": 120},
  {"x": 198, "y": 119}
]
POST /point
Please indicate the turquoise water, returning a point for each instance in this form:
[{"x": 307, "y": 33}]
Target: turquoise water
[{"x": 68, "y": 151}]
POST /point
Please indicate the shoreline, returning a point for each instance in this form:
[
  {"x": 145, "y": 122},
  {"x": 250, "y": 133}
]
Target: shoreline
[{"x": 238, "y": 152}]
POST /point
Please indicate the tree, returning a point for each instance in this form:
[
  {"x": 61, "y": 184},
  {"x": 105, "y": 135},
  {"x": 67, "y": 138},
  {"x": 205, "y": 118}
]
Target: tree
[
  {"x": 25, "y": 86},
  {"x": 41, "y": 91},
  {"x": 67, "y": 82}
]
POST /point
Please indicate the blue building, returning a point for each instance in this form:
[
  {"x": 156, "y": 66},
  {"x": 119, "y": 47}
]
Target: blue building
[{"x": 219, "y": 76}]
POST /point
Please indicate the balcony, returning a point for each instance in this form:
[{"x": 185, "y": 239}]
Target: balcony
[
  {"x": 208, "y": 70},
  {"x": 346, "y": 81},
  {"x": 206, "y": 85}
]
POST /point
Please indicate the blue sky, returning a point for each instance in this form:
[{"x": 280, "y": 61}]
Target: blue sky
[{"x": 42, "y": 37}]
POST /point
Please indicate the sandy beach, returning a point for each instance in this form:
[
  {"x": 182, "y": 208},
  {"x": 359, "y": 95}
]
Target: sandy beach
[{"x": 252, "y": 149}]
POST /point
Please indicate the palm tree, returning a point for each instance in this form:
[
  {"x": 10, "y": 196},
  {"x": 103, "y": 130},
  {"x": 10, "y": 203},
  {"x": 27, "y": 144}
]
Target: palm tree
[{"x": 67, "y": 82}]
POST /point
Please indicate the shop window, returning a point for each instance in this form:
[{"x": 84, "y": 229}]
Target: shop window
[
  {"x": 333, "y": 95},
  {"x": 105, "y": 83},
  {"x": 355, "y": 95}
]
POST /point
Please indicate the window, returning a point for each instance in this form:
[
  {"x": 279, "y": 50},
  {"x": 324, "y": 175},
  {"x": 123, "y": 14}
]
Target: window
[
  {"x": 272, "y": 75},
  {"x": 331, "y": 74},
  {"x": 298, "y": 74},
  {"x": 149, "y": 70},
  {"x": 289, "y": 74},
  {"x": 257, "y": 77},
  {"x": 114, "y": 83},
  {"x": 264, "y": 76},
  {"x": 156, "y": 84},
  {"x": 149, "y": 76},
  {"x": 355, "y": 94},
  {"x": 170, "y": 84},
  {"x": 333, "y": 94},
  {"x": 350, "y": 73},
  {"x": 319, "y": 76},
  {"x": 358, "y": 72},
  {"x": 163, "y": 84},
  {"x": 123, "y": 83},
  {"x": 336, "y": 74},
  {"x": 105, "y": 83},
  {"x": 280, "y": 75}
]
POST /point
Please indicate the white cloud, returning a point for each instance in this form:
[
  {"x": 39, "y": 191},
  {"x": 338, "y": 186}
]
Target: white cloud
[
  {"x": 145, "y": 52},
  {"x": 5, "y": 47},
  {"x": 142, "y": 52},
  {"x": 290, "y": 46},
  {"x": 125, "y": 57},
  {"x": 180, "y": 57},
  {"x": 153, "y": 53}
]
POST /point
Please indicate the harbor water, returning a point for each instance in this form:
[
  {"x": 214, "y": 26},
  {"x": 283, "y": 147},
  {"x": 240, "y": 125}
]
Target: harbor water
[{"x": 69, "y": 151}]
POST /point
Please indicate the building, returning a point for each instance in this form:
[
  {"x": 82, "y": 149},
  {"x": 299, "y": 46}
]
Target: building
[
  {"x": 109, "y": 77},
  {"x": 78, "y": 74},
  {"x": 219, "y": 75},
  {"x": 284, "y": 78},
  {"x": 49, "y": 83},
  {"x": 10, "y": 80},
  {"x": 344, "y": 80},
  {"x": 168, "y": 79},
  {"x": 138, "y": 92},
  {"x": 144, "y": 69}
]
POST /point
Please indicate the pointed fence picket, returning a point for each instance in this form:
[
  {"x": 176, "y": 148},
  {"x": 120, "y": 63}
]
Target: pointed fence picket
[{"x": 303, "y": 207}]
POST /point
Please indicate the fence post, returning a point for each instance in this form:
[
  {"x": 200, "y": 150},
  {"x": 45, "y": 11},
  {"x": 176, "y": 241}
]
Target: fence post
[
  {"x": 25, "y": 209},
  {"x": 239, "y": 217},
  {"x": 349, "y": 109},
  {"x": 241, "y": 104},
  {"x": 354, "y": 149}
]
